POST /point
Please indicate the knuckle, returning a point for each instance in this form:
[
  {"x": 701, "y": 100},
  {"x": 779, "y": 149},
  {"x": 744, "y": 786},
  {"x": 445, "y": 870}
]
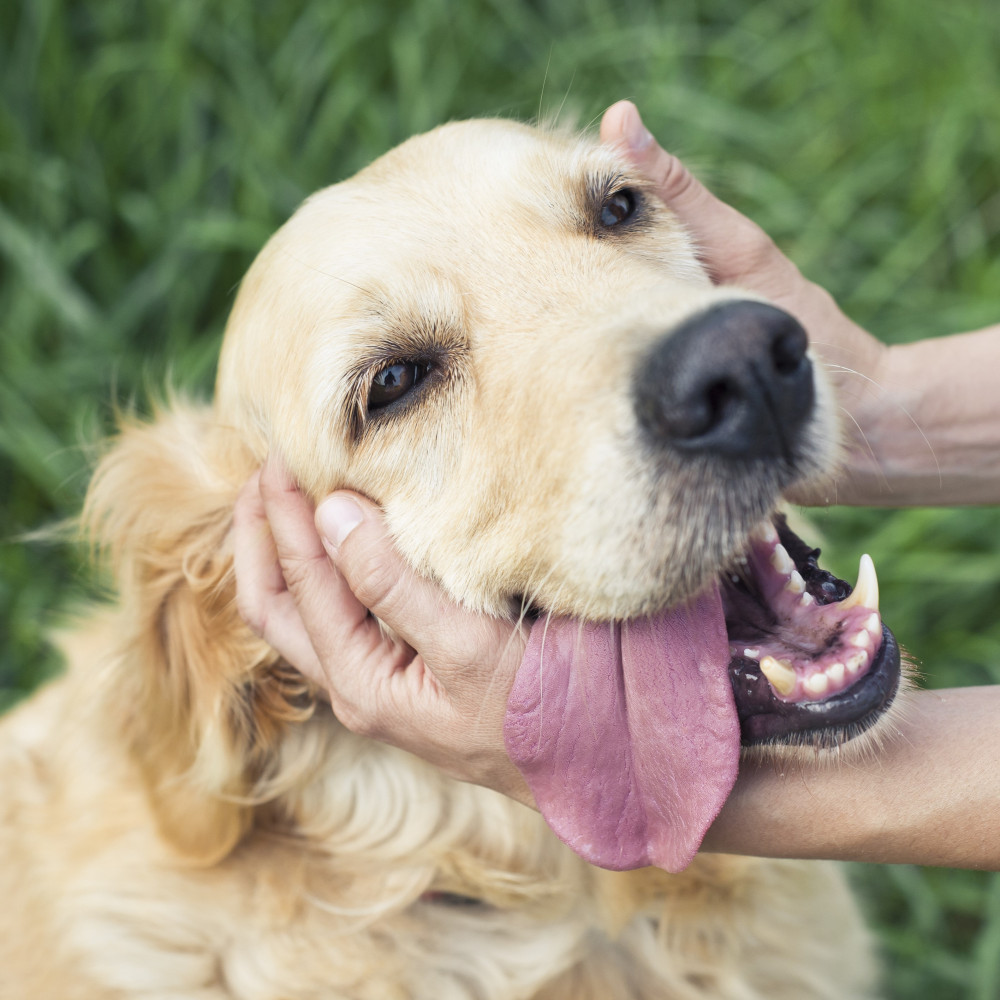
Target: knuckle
[
  {"x": 375, "y": 581},
  {"x": 465, "y": 646},
  {"x": 299, "y": 572}
]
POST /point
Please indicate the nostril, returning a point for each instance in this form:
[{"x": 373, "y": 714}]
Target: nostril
[
  {"x": 721, "y": 396},
  {"x": 697, "y": 413},
  {"x": 788, "y": 350}
]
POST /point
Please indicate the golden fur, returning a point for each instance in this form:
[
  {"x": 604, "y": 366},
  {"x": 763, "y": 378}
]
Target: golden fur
[{"x": 181, "y": 818}]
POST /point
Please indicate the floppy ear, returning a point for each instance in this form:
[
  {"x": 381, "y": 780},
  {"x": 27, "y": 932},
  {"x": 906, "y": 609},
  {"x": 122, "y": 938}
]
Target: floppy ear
[{"x": 199, "y": 699}]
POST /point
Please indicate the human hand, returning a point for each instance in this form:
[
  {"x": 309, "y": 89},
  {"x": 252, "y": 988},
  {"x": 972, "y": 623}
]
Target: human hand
[
  {"x": 736, "y": 251},
  {"x": 306, "y": 585}
]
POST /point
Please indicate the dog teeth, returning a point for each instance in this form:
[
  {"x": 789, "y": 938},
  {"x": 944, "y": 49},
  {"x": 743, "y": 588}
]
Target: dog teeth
[
  {"x": 817, "y": 683},
  {"x": 782, "y": 561},
  {"x": 795, "y": 585},
  {"x": 751, "y": 654},
  {"x": 865, "y": 593},
  {"x": 806, "y": 600},
  {"x": 836, "y": 673},
  {"x": 873, "y": 625},
  {"x": 856, "y": 662},
  {"x": 767, "y": 533},
  {"x": 779, "y": 674},
  {"x": 862, "y": 639}
]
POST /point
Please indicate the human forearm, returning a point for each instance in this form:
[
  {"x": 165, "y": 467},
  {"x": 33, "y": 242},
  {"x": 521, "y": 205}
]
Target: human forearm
[
  {"x": 930, "y": 795},
  {"x": 931, "y": 420}
]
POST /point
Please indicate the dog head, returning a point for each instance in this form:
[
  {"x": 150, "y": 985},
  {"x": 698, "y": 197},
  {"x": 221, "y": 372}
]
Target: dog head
[{"x": 504, "y": 338}]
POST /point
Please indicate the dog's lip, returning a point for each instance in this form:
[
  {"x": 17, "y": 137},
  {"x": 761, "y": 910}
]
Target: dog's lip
[
  {"x": 766, "y": 719},
  {"x": 819, "y": 666}
]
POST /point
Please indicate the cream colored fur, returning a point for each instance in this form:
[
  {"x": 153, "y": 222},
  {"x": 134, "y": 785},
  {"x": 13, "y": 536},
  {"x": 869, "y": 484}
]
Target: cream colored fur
[{"x": 180, "y": 818}]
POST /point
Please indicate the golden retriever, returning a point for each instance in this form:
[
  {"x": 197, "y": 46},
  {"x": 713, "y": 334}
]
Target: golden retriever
[{"x": 500, "y": 335}]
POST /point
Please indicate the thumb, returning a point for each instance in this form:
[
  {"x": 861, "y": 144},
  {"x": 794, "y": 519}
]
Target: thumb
[
  {"x": 731, "y": 246},
  {"x": 415, "y": 608}
]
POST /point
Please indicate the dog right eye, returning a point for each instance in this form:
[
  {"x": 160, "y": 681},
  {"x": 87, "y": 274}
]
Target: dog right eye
[
  {"x": 395, "y": 381},
  {"x": 618, "y": 208}
]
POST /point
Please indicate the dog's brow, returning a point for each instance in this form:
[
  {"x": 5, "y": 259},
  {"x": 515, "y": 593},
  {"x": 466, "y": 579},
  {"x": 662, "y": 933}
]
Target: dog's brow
[{"x": 326, "y": 274}]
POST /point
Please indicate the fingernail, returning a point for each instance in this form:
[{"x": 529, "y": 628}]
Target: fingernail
[
  {"x": 336, "y": 517},
  {"x": 637, "y": 135}
]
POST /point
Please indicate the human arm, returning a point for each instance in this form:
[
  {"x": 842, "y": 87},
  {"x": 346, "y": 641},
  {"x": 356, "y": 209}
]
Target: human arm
[{"x": 928, "y": 793}]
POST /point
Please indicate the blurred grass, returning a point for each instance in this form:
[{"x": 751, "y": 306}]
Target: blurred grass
[{"x": 147, "y": 150}]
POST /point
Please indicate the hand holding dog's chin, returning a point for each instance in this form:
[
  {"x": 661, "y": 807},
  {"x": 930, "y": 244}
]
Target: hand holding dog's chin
[{"x": 306, "y": 582}]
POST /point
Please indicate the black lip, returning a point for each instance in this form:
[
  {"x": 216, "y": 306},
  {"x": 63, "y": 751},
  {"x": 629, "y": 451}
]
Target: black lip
[{"x": 766, "y": 719}]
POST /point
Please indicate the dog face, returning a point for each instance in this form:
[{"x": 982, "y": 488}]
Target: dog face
[{"x": 473, "y": 331}]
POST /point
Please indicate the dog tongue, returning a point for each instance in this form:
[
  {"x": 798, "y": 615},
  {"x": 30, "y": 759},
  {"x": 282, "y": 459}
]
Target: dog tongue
[{"x": 627, "y": 734}]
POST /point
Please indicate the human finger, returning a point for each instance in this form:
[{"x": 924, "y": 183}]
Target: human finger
[
  {"x": 352, "y": 653},
  {"x": 263, "y": 600},
  {"x": 453, "y": 640}
]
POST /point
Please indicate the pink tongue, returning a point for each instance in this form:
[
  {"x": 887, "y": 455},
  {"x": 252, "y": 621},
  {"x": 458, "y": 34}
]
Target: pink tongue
[{"x": 627, "y": 734}]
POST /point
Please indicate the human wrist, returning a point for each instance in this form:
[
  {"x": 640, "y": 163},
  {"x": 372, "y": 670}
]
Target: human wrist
[{"x": 927, "y": 430}]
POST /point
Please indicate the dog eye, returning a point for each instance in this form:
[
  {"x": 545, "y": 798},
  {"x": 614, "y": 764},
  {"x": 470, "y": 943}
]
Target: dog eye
[
  {"x": 619, "y": 207},
  {"x": 395, "y": 381}
]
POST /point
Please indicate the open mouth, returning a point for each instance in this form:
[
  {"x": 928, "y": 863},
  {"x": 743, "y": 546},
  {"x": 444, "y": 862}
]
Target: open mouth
[
  {"x": 810, "y": 660},
  {"x": 629, "y": 732}
]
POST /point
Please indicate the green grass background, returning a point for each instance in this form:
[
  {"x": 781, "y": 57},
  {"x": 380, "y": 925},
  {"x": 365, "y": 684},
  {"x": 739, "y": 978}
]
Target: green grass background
[{"x": 147, "y": 149}]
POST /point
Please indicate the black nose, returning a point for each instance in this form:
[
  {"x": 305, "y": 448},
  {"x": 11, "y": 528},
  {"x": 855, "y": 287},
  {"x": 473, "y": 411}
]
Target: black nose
[{"x": 733, "y": 381}]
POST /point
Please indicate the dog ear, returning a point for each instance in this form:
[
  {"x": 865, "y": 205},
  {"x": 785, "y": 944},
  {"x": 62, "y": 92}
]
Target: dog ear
[{"x": 199, "y": 700}]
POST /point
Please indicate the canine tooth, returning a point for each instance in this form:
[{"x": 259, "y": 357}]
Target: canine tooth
[
  {"x": 817, "y": 683},
  {"x": 856, "y": 662},
  {"x": 835, "y": 672},
  {"x": 751, "y": 653},
  {"x": 781, "y": 560},
  {"x": 767, "y": 533},
  {"x": 779, "y": 673},
  {"x": 795, "y": 585},
  {"x": 865, "y": 593}
]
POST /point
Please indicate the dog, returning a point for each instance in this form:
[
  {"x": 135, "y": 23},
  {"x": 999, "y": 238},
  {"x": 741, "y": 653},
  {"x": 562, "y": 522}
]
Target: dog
[{"x": 503, "y": 337}]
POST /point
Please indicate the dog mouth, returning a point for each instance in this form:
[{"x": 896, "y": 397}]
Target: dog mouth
[
  {"x": 629, "y": 732},
  {"x": 810, "y": 660}
]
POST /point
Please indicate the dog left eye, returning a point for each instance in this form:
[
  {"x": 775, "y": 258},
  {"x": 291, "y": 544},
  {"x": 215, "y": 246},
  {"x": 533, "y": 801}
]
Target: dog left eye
[
  {"x": 395, "y": 381},
  {"x": 618, "y": 208}
]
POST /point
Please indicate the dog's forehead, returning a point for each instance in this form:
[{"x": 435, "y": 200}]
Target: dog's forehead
[
  {"x": 483, "y": 230},
  {"x": 480, "y": 154},
  {"x": 450, "y": 190}
]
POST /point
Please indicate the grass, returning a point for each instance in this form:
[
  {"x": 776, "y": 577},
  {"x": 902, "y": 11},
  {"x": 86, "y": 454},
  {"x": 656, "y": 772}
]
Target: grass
[{"x": 148, "y": 149}]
